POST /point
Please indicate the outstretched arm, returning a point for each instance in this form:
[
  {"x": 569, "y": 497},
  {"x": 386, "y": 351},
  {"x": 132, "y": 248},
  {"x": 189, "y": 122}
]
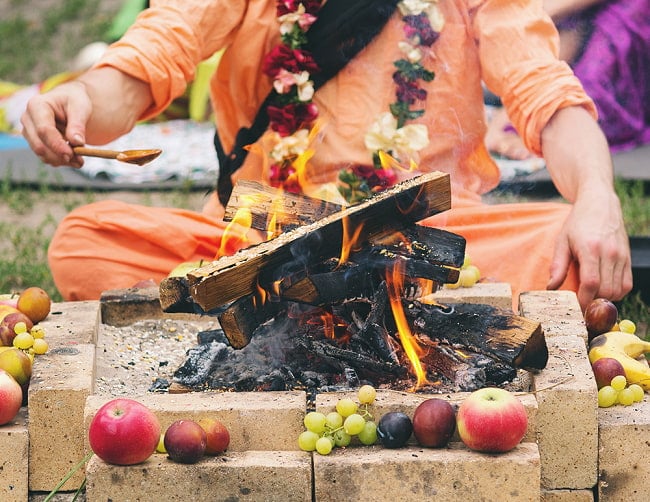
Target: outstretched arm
[
  {"x": 578, "y": 159},
  {"x": 96, "y": 108}
]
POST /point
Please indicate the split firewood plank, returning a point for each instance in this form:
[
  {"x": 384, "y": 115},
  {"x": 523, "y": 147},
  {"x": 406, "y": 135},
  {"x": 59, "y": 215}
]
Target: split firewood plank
[
  {"x": 240, "y": 319},
  {"x": 232, "y": 277},
  {"x": 482, "y": 328},
  {"x": 274, "y": 207}
]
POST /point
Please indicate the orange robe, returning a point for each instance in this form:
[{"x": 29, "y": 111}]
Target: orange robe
[{"x": 511, "y": 46}]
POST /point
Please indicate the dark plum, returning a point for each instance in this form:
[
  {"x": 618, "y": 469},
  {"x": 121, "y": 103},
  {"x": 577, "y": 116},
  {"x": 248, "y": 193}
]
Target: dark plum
[
  {"x": 394, "y": 429},
  {"x": 600, "y": 317}
]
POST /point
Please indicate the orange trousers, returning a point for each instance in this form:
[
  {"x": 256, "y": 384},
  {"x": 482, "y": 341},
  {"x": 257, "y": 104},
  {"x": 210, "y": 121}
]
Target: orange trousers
[{"x": 112, "y": 245}]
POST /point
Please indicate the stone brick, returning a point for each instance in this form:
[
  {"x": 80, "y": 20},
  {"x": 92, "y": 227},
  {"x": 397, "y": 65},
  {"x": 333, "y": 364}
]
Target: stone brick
[
  {"x": 624, "y": 439},
  {"x": 263, "y": 476},
  {"x": 14, "y": 447},
  {"x": 567, "y": 416},
  {"x": 567, "y": 496},
  {"x": 406, "y": 402},
  {"x": 70, "y": 323},
  {"x": 61, "y": 381},
  {"x": 417, "y": 474},
  {"x": 497, "y": 294},
  {"x": 121, "y": 307},
  {"x": 255, "y": 420},
  {"x": 558, "y": 312}
]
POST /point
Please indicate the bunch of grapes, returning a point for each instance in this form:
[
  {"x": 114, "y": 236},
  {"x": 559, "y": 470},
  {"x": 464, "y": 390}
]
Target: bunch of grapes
[
  {"x": 468, "y": 276},
  {"x": 324, "y": 432},
  {"x": 31, "y": 341},
  {"x": 618, "y": 392}
]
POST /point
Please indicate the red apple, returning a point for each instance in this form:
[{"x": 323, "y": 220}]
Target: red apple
[
  {"x": 491, "y": 420},
  {"x": 11, "y": 397},
  {"x": 605, "y": 369},
  {"x": 124, "y": 432},
  {"x": 600, "y": 317},
  {"x": 218, "y": 437},
  {"x": 8, "y": 324},
  {"x": 434, "y": 422},
  {"x": 185, "y": 441}
]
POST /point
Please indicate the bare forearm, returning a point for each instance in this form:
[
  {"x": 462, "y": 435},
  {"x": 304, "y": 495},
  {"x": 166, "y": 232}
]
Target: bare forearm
[
  {"x": 577, "y": 154},
  {"x": 557, "y": 9},
  {"x": 118, "y": 102}
]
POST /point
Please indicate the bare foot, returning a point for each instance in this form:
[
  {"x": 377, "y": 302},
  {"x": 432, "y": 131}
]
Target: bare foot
[{"x": 502, "y": 139}]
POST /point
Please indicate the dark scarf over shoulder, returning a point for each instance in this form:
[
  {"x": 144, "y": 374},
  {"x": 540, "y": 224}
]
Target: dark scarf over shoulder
[{"x": 342, "y": 30}]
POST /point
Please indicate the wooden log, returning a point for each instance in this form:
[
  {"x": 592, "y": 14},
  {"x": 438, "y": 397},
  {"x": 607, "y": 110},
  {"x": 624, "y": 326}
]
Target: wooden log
[
  {"x": 274, "y": 207},
  {"x": 499, "y": 334},
  {"x": 232, "y": 277},
  {"x": 240, "y": 319}
]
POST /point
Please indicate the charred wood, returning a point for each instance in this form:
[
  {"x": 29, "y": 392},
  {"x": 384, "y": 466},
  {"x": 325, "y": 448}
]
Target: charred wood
[{"x": 508, "y": 338}]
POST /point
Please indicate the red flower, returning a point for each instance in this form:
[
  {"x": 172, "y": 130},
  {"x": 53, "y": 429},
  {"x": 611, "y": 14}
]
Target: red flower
[
  {"x": 286, "y": 120},
  {"x": 377, "y": 179},
  {"x": 292, "y": 60}
]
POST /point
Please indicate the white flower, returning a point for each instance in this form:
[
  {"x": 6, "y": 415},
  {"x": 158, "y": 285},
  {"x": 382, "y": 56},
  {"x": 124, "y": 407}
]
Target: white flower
[
  {"x": 303, "y": 19},
  {"x": 285, "y": 80},
  {"x": 290, "y": 146},
  {"x": 412, "y": 52},
  {"x": 384, "y": 135},
  {"x": 429, "y": 7}
]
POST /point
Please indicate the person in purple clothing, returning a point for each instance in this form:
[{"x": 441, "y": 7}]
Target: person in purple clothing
[{"x": 607, "y": 44}]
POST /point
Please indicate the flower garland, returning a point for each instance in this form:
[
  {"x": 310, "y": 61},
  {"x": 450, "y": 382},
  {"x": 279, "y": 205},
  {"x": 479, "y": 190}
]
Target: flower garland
[{"x": 293, "y": 114}]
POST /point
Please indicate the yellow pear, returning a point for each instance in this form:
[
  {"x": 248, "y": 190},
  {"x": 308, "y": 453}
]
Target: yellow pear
[{"x": 18, "y": 364}]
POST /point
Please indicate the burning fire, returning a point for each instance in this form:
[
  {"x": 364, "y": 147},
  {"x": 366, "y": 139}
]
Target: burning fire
[{"x": 395, "y": 282}]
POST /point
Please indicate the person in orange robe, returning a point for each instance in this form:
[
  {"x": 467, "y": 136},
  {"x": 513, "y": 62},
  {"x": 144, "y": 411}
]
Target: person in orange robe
[{"x": 511, "y": 46}]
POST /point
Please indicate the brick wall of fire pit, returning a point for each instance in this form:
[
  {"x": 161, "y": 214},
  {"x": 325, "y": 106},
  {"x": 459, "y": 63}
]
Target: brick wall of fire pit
[{"x": 572, "y": 452}]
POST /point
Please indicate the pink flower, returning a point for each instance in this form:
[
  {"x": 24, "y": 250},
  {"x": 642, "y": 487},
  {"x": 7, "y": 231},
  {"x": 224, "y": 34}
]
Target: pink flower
[{"x": 282, "y": 57}]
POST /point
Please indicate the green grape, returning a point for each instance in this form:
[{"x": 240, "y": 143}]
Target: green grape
[
  {"x": 324, "y": 445},
  {"x": 367, "y": 394},
  {"x": 627, "y": 326},
  {"x": 334, "y": 420},
  {"x": 637, "y": 392},
  {"x": 625, "y": 396},
  {"x": 342, "y": 438},
  {"x": 315, "y": 421},
  {"x": 346, "y": 407},
  {"x": 307, "y": 440},
  {"x": 607, "y": 396},
  {"x": 368, "y": 435},
  {"x": 354, "y": 424},
  {"x": 619, "y": 382}
]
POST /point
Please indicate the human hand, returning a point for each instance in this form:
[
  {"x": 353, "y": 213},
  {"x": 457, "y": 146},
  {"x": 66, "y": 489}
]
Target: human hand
[
  {"x": 594, "y": 236},
  {"x": 55, "y": 121}
]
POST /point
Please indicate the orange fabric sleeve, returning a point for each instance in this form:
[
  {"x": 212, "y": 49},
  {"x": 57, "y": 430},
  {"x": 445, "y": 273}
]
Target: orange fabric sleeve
[
  {"x": 518, "y": 48},
  {"x": 169, "y": 40}
]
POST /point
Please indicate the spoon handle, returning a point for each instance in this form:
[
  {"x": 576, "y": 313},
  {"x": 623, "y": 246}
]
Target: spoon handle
[{"x": 95, "y": 152}]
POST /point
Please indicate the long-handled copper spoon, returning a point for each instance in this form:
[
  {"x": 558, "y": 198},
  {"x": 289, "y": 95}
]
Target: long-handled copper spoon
[{"x": 139, "y": 157}]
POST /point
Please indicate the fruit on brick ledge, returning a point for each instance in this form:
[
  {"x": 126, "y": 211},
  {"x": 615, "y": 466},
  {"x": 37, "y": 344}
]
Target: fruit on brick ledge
[
  {"x": 124, "y": 432},
  {"x": 35, "y": 303},
  {"x": 8, "y": 327},
  {"x": 11, "y": 398},
  {"x": 491, "y": 420},
  {"x": 605, "y": 369},
  {"x": 628, "y": 350},
  {"x": 394, "y": 429},
  {"x": 218, "y": 437},
  {"x": 600, "y": 317},
  {"x": 185, "y": 441},
  {"x": 18, "y": 364},
  {"x": 434, "y": 422}
]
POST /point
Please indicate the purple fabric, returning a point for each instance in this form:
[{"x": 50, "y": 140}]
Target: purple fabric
[{"x": 614, "y": 68}]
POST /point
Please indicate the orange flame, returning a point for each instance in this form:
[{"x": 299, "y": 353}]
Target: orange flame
[
  {"x": 394, "y": 281},
  {"x": 350, "y": 242},
  {"x": 235, "y": 235}
]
